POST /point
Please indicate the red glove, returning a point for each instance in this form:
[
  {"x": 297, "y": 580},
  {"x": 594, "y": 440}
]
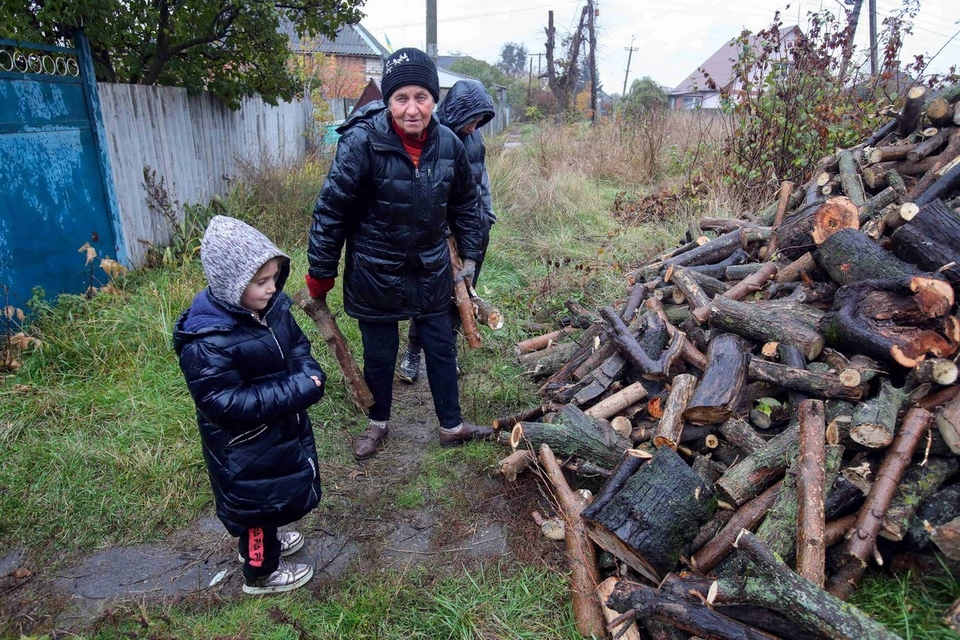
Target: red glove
[{"x": 318, "y": 288}]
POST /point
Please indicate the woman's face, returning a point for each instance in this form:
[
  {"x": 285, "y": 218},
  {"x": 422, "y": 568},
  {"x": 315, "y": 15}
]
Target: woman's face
[{"x": 411, "y": 107}]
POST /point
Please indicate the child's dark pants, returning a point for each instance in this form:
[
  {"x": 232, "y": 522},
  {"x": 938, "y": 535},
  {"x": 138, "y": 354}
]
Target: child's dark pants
[{"x": 260, "y": 548}]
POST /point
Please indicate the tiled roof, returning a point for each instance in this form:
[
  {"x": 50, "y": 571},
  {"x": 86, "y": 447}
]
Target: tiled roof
[
  {"x": 351, "y": 40},
  {"x": 719, "y": 66}
]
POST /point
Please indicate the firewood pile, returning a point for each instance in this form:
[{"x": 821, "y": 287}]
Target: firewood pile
[{"x": 774, "y": 407}]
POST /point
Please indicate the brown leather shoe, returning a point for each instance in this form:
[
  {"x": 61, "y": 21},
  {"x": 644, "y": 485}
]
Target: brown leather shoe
[
  {"x": 467, "y": 432},
  {"x": 369, "y": 442}
]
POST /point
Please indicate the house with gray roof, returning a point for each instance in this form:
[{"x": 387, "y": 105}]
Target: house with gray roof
[
  {"x": 350, "y": 60},
  {"x": 695, "y": 91}
]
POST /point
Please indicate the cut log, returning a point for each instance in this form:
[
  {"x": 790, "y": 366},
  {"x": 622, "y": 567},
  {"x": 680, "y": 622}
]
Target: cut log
[
  {"x": 935, "y": 400},
  {"x": 938, "y": 509},
  {"x": 849, "y": 256},
  {"x": 934, "y": 370},
  {"x": 713, "y": 251},
  {"x": 675, "y": 503},
  {"x": 516, "y": 463},
  {"x": 739, "y": 272},
  {"x": 860, "y": 545},
  {"x": 952, "y": 619},
  {"x": 573, "y": 433},
  {"x": 805, "y": 264},
  {"x": 768, "y": 323},
  {"x": 947, "y": 539},
  {"x": 843, "y": 498},
  {"x": 822, "y": 385},
  {"x": 811, "y": 483},
  {"x": 947, "y": 181},
  {"x": 912, "y": 110},
  {"x": 836, "y": 531},
  {"x": 612, "y": 405},
  {"x": 586, "y": 341},
  {"x": 722, "y": 384},
  {"x": 631, "y": 349},
  {"x": 930, "y": 145},
  {"x": 939, "y": 112},
  {"x": 742, "y": 289},
  {"x": 695, "y": 296},
  {"x": 671, "y": 423},
  {"x": 878, "y": 176},
  {"x": 546, "y": 362},
  {"x": 746, "y": 517},
  {"x": 689, "y": 614},
  {"x": 948, "y": 423},
  {"x": 628, "y": 630},
  {"x": 542, "y": 342},
  {"x": 874, "y": 420},
  {"x": 949, "y": 153},
  {"x": 740, "y": 434},
  {"x": 719, "y": 269},
  {"x": 508, "y": 422},
  {"x": 850, "y": 178},
  {"x": 783, "y": 203},
  {"x": 688, "y": 352},
  {"x": 931, "y": 240},
  {"x": 877, "y": 204},
  {"x": 893, "y": 152},
  {"x": 599, "y": 355},
  {"x": 317, "y": 310},
  {"x": 885, "y": 319},
  {"x": 780, "y": 589},
  {"x": 877, "y": 136},
  {"x": 751, "y": 476},
  {"x": 461, "y": 296},
  {"x": 809, "y": 228},
  {"x": 581, "y": 556},
  {"x": 919, "y": 482}
]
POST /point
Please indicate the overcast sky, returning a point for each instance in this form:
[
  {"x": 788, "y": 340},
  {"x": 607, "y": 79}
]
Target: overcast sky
[{"x": 672, "y": 37}]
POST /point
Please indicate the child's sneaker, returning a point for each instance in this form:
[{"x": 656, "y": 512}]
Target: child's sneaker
[
  {"x": 287, "y": 577},
  {"x": 409, "y": 366},
  {"x": 290, "y": 542}
]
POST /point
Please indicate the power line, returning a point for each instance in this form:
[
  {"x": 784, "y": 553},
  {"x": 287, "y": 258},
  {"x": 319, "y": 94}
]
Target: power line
[{"x": 376, "y": 27}]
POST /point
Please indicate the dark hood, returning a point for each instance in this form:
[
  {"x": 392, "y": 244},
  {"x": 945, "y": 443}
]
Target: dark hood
[{"x": 465, "y": 101}]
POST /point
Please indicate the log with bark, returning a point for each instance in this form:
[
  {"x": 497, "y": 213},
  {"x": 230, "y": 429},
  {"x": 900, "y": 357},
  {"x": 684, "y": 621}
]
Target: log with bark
[
  {"x": 634, "y": 352},
  {"x": 877, "y": 176},
  {"x": 722, "y": 384},
  {"x": 786, "y": 323},
  {"x": 612, "y": 405},
  {"x": 897, "y": 151},
  {"x": 850, "y": 177},
  {"x": 711, "y": 252},
  {"x": 861, "y": 543},
  {"x": 811, "y": 484},
  {"x": 671, "y": 423},
  {"x": 628, "y": 630},
  {"x": 675, "y": 503},
  {"x": 930, "y": 145},
  {"x": 581, "y": 556},
  {"x": 573, "y": 433},
  {"x": 809, "y": 228},
  {"x": 815, "y": 383},
  {"x": 543, "y": 341},
  {"x": 947, "y": 539},
  {"x": 889, "y": 319},
  {"x": 931, "y": 240},
  {"x": 791, "y": 272},
  {"x": 938, "y": 509},
  {"x": 949, "y": 153},
  {"x": 919, "y": 482},
  {"x": 912, "y": 110},
  {"x": 689, "y": 614},
  {"x": 546, "y": 362},
  {"x": 751, "y": 476},
  {"x": 874, "y": 420},
  {"x": 741, "y": 435},
  {"x": 746, "y": 517},
  {"x": 461, "y": 296},
  {"x": 742, "y": 289},
  {"x": 939, "y": 111},
  {"x": 948, "y": 423},
  {"x": 516, "y": 463},
  {"x": 946, "y": 182},
  {"x": 317, "y": 310},
  {"x": 849, "y": 256},
  {"x": 777, "y": 587},
  {"x": 783, "y": 203}
]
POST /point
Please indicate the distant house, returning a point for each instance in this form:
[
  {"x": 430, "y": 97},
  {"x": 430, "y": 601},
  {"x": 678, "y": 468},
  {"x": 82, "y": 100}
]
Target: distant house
[
  {"x": 694, "y": 92},
  {"x": 351, "y": 60}
]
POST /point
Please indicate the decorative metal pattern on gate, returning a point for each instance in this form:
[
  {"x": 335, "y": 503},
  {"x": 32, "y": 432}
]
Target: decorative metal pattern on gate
[{"x": 22, "y": 57}]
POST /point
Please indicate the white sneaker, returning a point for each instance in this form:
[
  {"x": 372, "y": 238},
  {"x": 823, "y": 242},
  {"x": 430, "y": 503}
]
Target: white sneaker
[
  {"x": 290, "y": 543},
  {"x": 287, "y": 577}
]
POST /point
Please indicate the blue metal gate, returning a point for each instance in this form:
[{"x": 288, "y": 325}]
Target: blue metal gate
[{"x": 56, "y": 188}]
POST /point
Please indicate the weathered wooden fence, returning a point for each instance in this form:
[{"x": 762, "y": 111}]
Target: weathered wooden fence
[{"x": 194, "y": 144}]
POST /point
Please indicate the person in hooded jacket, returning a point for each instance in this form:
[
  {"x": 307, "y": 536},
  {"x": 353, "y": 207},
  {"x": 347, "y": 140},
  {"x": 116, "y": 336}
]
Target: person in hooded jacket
[
  {"x": 249, "y": 370},
  {"x": 466, "y": 107},
  {"x": 399, "y": 185}
]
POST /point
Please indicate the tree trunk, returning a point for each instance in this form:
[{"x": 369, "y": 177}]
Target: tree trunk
[
  {"x": 931, "y": 240},
  {"x": 581, "y": 556},
  {"x": 675, "y": 503},
  {"x": 919, "y": 482},
  {"x": 807, "y": 229},
  {"x": 849, "y": 257},
  {"x": 751, "y": 476},
  {"x": 573, "y": 433},
  {"x": 780, "y": 589},
  {"x": 722, "y": 384},
  {"x": 861, "y": 543},
  {"x": 688, "y": 614},
  {"x": 912, "y": 110},
  {"x": 317, "y": 310},
  {"x": 671, "y": 423},
  {"x": 768, "y": 323}
]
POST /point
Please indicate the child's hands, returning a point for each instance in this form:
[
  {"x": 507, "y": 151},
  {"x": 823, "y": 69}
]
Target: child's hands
[{"x": 317, "y": 380}]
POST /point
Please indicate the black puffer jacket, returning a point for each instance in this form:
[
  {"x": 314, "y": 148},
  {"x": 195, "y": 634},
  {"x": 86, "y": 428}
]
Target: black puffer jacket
[
  {"x": 250, "y": 380},
  {"x": 466, "y": 101},
  {"x": 394, "y": 219}
]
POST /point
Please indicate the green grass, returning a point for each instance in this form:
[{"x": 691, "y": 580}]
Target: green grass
[
  {"x": 487, "y": 602},
  {"x": 911, "y": 605}
]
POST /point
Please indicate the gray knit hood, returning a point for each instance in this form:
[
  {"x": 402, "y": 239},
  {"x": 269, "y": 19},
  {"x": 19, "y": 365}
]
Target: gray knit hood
[{"x": 231, "y": 253}]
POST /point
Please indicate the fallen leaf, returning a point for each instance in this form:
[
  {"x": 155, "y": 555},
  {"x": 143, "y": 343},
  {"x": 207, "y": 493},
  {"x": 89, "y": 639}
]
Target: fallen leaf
[
  {"x": 22, "y": 572},
  {"x": 91, "y": 252},
  {"x": 23, "y": 389}
]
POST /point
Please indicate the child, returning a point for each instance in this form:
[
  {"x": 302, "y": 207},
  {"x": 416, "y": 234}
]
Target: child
[
  {"x": 466, "y": 107},
  {"x": 249, "y": 370}
]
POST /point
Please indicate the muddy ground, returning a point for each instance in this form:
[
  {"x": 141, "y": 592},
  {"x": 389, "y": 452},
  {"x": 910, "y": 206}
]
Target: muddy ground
[{"x": 357, "y": 528}]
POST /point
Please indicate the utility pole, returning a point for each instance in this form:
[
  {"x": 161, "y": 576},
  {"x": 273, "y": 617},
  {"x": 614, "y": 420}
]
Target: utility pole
[
  {"x": 631, "y": 49},
  {"x": 852, "y": 21},
  {"x": 539, "y": 61},
  {"x": 872, "y": 8},
  {"x": 530, "y": 82},
  {"x": 593, "y": 62},
  {"x": 432, "y": 30}
]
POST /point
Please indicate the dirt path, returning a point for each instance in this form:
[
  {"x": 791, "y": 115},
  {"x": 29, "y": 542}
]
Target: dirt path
[{"x": 359, "y": 527}]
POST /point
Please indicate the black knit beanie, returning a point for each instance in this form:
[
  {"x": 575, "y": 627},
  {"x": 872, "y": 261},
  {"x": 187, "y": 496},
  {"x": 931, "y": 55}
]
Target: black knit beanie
[{"x": 409, "y": 66}]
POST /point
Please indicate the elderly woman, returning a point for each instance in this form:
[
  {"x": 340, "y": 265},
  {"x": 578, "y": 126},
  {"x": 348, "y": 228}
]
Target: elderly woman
[{"x": 399, "y": 185}]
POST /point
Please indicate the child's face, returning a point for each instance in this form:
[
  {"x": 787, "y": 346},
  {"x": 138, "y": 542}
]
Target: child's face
[
  {"x": 264, "y": 284},
  {"x": 470, "y": 127}
]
